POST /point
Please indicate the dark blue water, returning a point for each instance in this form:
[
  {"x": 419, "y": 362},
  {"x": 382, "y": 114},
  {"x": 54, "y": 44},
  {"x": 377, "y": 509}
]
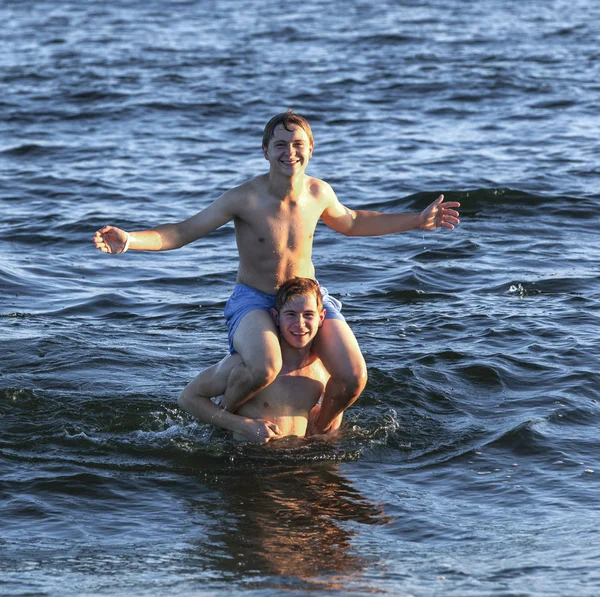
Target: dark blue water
[{"x": 470, "y": 465}]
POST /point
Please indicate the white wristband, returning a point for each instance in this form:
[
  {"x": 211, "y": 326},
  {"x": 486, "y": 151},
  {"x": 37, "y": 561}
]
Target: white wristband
[{"x": 126, "y": 243}]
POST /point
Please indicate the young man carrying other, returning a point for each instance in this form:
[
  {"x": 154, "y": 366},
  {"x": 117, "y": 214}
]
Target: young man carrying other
[
  {"x": 275, "y": 216},
  {"x": 283, "y": 407}
]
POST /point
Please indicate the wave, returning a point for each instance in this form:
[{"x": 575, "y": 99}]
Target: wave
[
  {"x": 33, "y": 149},
  {"x": 489, "y": 202}
]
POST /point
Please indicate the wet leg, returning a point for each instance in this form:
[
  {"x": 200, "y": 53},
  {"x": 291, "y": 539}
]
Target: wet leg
[
  {"x": 338, "y": 349},
  {"x": 257, "y": 342}
]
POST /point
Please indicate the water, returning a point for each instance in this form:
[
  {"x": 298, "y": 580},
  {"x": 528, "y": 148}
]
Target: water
[{"x": 470, "y": 464}]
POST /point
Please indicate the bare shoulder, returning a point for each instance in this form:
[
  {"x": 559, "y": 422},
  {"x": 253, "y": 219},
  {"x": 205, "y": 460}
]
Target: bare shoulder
[
  {"x": 213, "y": 381},
  {"x": 322, "y": 192},
  {"x": 252, "y": 186},
  {"x": 242, "y": 193},
  {"x": 319, "y": 188},
  {"x": 226, "y": 365}
]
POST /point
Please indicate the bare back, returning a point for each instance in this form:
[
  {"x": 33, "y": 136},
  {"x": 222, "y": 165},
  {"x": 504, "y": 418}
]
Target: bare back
[
  {"x": 275, "y": 237},
  {"x": 289, "y": 399}
]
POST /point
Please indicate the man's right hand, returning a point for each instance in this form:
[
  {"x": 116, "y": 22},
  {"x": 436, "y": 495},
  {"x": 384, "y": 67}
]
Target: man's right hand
[
  {"x": 111, "y": 240},
  {"x": 261, "y": 431}
]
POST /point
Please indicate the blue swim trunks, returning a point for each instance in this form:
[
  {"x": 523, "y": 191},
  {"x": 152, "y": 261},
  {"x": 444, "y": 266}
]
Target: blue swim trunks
[{"x": 245, "y": 299}]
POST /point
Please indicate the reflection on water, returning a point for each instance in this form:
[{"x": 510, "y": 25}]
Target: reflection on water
[{"x": 295, "y": 524}]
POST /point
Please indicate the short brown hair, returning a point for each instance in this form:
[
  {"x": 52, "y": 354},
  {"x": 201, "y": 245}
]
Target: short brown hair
[
  {"x": 298, "y": 287},
  {"x": 287, "y": 120}
]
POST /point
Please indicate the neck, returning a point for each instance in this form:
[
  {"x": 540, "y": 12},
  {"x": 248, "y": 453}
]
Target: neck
[
  {"x": 286, "y": 187},
  {"x": 295, "y": 358}
]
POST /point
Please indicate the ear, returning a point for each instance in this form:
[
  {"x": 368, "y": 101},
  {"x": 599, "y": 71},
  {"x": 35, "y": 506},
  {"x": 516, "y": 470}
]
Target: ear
[
  {"x": 265, "y": 152},
  {"x": 274, "y": 316},
  {"x": 322, "y": 317}
]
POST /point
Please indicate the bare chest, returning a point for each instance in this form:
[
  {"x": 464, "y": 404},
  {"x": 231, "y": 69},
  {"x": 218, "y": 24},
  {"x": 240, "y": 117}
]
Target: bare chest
[
  {"x": 288, "y": 396},
  {"x": 272, "y": 226}
]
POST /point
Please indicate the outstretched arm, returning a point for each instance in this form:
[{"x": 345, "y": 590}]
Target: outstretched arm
[
  {"x": 195, "y": 399},
  {"x": 351, "y": 222},
  {"x": 113, "y": 240}
]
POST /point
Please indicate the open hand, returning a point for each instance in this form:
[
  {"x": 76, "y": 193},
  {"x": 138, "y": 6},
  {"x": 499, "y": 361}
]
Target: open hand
[
  {"x": 261, "y": 431},
  {"x": 312, "y": 427},
  {"x": 111, "y": 240},
  {"x": 440, "y": 214}
]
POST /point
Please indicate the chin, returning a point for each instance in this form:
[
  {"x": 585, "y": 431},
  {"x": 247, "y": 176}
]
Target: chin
[{"x": 298, "y": 344}]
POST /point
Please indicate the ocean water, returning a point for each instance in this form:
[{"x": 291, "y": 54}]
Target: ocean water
[{"x": 470, "y": 466}]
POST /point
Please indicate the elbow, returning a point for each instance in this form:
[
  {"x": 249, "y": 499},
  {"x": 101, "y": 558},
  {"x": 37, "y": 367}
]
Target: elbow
[
  {"x": 178, "y": 240},
  {"x": 170, "y": 243},
  {"x": 350, "y": 227},
  {"x": 346, "y": 230},
  {"x": 351, "y": 231}
]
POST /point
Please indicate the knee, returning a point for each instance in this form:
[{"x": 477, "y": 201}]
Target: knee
[
  {"x": 359, "y": 379},
  {"x": 183, "y": 399},
  {"x": 262, "y": 374},
  {"x": 353, "y": 380}
]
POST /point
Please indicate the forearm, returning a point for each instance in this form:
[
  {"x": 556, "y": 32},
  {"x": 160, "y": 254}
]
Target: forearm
[
  {"x": 373, "y": 223},
  {"x": 231, "y": 403},
  {"x": 207, "y": 411},
  {"x": 326, "y": 417},
  {"x": 162, "y": 238}
]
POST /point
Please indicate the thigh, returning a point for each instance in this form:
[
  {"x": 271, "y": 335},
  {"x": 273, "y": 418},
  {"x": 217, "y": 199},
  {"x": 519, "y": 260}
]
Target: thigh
[
  {"x": 256, "y": 340},
  {"x": 338, "y": 349}
]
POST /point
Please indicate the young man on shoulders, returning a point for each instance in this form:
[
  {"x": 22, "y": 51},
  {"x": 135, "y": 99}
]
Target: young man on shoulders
[
  {"x": 275, "y": 216},
  {"x": 283, "y": 407}
]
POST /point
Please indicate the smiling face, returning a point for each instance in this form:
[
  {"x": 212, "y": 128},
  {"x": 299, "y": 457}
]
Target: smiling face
[
  {"x": 288, "y": 151},
  {"x": 299, "y": 320}
]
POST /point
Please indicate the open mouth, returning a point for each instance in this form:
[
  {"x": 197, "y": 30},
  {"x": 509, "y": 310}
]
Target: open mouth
[{"x": 300, "y": 335}]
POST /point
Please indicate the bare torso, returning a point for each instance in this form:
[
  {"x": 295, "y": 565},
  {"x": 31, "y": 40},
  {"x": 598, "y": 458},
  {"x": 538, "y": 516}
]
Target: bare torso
[
  {"x": 275, "y": 236},
  {"x": 289, "y": 399}
]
